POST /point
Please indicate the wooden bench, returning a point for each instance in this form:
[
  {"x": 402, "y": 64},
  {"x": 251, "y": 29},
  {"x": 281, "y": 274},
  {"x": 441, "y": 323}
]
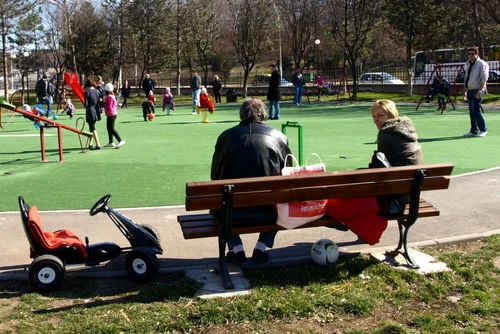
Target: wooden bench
[{"x": 227, "y": 194}]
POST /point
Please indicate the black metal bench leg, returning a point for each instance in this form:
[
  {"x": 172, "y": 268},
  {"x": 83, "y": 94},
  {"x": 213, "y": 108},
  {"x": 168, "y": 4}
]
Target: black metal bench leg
[
  {"x": 223, "y": 272},
  {"x": 403, "y": 243}
]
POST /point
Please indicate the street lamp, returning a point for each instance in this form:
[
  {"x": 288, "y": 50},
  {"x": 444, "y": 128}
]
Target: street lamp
[
  {"x": 317, "y": 41},
  {"x": 12, "y": 57},
  {"x": 26, "y": 54},
  {"x": 279, "y": 39}
]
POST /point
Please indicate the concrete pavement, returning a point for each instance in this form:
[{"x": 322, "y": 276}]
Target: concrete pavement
[{"x": 469, "y": 210}]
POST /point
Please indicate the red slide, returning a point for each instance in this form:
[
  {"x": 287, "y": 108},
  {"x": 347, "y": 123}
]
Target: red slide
[{"x": 75, "y": 84}]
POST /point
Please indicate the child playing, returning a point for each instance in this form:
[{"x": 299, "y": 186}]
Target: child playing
[
  {"x": 69, "y": 109},
  {"x": 148, "y": 108},
  {"x": 206, "y": 103},
  {"x": 168, "y": 101},
  {"x": 110, "y": 108},
  {"x": 151, "y": 97}
]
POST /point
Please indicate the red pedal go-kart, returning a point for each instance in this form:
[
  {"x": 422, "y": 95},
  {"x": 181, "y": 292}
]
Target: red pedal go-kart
[{"x": 52, "y": 251}]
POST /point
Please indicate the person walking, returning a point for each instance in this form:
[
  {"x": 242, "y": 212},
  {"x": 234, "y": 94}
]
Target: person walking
[
  {"x": 298, "y": 81},
  {"x": 476, "y": 76},
  {"x": 217, "y": 88},
  {"x": 274, "y": 94},
  {"x": 92, "y": 114},
  {"x": 110, "y": 109},
  {"x": 125, "y": 93},
  {"x": 195, "y": 88},
  {"x": 50, "y": 96},
  {"x": 250, "y": 149}
]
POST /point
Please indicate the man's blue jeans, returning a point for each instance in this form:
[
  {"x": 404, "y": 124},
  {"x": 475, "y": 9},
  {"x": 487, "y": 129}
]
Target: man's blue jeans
[
  {"x": 50, "y": 102},
  {"x": 299, "y": 90},
  {"x": 274, "y": 109},
  {"x": 196, "y": 99},
  {"x": 477, "y": 122}
]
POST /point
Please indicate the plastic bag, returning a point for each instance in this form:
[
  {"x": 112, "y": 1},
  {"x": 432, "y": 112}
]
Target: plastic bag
[{"x": 292, "y": 215}]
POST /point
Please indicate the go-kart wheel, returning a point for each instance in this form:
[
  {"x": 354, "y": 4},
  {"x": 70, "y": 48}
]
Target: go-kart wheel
[
  {"x": 100, "y": 205},
  {"x": 141, "y": 264},
  {"x": 46, "y": 273},
  {"x": 153, "y": 231}
]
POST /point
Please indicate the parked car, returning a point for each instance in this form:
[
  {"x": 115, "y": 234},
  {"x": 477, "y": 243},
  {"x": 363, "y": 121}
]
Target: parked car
[
  {"x": 493, "y": 78},
  {"x": 379, "y": 77},
  {"x": 263, "y": 80}
]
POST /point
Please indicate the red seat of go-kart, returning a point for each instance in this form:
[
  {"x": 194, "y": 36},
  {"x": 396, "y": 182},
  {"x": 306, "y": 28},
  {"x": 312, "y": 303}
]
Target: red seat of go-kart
[{"x": 53, "y": 240}]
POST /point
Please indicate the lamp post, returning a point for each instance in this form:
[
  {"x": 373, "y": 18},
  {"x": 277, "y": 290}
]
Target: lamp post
[
  {"x": 12, "y": 57},
  {"x": 279, "y": 39},
  {"x": 26, "y": 54},
  {"x": 316, "y": 42}
]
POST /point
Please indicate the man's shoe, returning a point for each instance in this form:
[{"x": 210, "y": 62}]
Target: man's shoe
[
  {"x": 259, "y": 256},
  {"x": 482, "y": 133},
  {"x": 110, "y": 145},
  {"x": 194, "y": 113},
  {"x": 238, "y": 258},
  {"x": 121, "y": 143},
  {"x": 470, "y": 134}
]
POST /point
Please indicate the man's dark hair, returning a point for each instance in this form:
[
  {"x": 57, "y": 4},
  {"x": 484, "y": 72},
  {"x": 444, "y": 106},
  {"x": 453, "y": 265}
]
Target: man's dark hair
[
  {"x": 89, "y": 83},
  {"x": 474, "y": 49},
  {"x": 253, "y": 109}
]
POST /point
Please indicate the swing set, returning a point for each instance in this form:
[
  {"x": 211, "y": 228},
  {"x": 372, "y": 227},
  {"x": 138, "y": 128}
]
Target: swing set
[
  {"x": 439, "y": 71},
  {"x": 329, "y": 87}
]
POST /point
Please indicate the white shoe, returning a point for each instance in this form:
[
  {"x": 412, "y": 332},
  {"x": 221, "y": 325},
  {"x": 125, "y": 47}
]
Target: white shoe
[
  {"x": 120, "y": 144},
  {"x": 194, "y": 113},
  {"x": 482, "y": 133},
  {"x": 110, "y": 145},
  {"x": 470, "y": 134}
]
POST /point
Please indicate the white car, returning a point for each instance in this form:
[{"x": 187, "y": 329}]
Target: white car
[{"x": 379, "y": 77}]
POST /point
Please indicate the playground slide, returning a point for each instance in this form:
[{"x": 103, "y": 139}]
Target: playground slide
[{"x": 74, "y": 83}]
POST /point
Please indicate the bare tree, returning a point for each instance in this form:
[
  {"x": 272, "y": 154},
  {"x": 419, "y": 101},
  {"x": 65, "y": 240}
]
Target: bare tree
[
  {"x": 252, "y": 31},
  {"x": 353, "y": 21},
  {"x": 301, "y": 24},
  {"x": 10, "y": 12},
  {"x": 493, "y": 8}
]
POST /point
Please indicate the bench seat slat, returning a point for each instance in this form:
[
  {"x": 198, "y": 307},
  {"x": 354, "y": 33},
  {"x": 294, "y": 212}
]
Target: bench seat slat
[{"x": 206, "y": 225}]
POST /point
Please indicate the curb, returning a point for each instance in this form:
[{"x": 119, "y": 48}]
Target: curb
[{"x": 21, "y": 273}]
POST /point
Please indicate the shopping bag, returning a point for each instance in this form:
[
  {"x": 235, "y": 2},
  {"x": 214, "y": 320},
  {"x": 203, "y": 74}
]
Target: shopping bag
[{"x": 292, "y": 215}]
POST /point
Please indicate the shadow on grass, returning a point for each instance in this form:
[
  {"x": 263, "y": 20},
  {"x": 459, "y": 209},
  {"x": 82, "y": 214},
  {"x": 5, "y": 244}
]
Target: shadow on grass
[
  {"x": 423, "y": 140},
  {"x": 95, "y": 292},
  {"x": 36, "y": 160},
  {"x": 348, "y": 266}
]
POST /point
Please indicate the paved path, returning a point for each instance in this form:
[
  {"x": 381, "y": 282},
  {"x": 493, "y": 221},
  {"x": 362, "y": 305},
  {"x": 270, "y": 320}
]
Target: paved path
[{"x": 469, "y": 209}]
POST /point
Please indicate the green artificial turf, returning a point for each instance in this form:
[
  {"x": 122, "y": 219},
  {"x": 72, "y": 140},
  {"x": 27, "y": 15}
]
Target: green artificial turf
[{"x": 162, "y": 155}]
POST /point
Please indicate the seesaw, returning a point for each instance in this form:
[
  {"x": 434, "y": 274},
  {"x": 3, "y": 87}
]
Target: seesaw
[{"x": 49, "y": 123}]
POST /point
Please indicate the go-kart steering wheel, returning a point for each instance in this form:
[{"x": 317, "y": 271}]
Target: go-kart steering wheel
[{"x": 100, "y": 205}]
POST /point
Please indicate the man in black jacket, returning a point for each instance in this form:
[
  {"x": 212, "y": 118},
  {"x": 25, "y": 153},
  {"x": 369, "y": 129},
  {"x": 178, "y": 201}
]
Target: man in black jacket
[
  {"x": 274, "y": 94},
  {"x": 250, "y": 149},
  {"x": 148, "y": 85}
]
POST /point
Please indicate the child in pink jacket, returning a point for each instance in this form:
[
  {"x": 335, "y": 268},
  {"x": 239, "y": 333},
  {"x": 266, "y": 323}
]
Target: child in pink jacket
[{"x": 110, "y": 108}]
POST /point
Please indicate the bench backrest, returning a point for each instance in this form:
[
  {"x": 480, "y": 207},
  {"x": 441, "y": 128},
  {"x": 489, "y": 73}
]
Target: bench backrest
[{"x": 284, "y": 189}]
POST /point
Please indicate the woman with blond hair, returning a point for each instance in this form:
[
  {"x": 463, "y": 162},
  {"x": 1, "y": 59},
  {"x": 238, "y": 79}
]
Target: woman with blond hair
[
  {"x": 397, "y": 137},
  {"x": 217, "y": 88}
]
